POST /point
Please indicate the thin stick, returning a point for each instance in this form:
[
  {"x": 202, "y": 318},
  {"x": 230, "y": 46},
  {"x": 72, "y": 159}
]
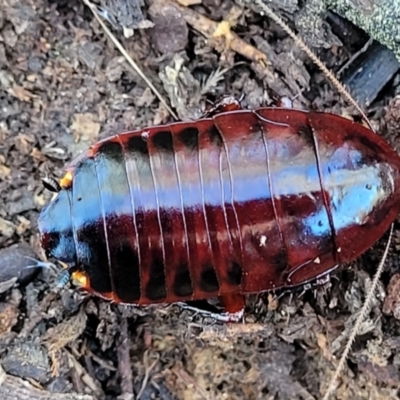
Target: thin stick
[
  {"x": 364, "y": 311},
  {"x": 128, "y": 57},
  {"x": 212, "y": 30},
  {"x": 148, "y": 369},
  {"x": 314, "y": 58}
]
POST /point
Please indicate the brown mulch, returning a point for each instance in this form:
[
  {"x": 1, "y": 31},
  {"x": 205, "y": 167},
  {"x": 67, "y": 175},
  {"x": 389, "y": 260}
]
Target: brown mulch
[{"x": 63, "y": 86}]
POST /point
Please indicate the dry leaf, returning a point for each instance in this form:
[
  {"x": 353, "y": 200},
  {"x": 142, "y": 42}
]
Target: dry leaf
[
  {"x": 84, "y": 127},
  {"x": 61, "y": 335},
  {"x": 21, "y": 94},
  {"x": 4, "y": 171},
  {"x": 24, "y": 225},
  {"x": 7, "y": 228}
]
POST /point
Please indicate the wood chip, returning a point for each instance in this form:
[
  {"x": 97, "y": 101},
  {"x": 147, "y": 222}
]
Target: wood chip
[
  {"x": 21, "y": 94},
  {"x": 85, "y": 127}
]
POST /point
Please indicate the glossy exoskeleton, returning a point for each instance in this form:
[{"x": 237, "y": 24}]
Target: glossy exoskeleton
[{"x": 238, "y": 202}]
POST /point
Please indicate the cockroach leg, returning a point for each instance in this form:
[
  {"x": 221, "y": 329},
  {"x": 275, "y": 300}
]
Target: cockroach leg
[
  {"x": 229, "y": 317},
  {"x": 80, "y": 279},
  {"x": 202, "y": 307},
  {"x": 233, "y": 303},
  {"x": 323, "y": 282},
  {"x": 233, "y": 310},
  {"x": 226, "y": 103},
  {"x": 218, "y": 316},
  {"x": 63, "y": 278},
  {"x": 285, "y": 102}
]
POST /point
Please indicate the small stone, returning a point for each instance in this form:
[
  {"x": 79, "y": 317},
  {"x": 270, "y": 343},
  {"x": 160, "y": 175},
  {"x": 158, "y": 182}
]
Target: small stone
[
  {"x": 28, "y": 360},
  {"x": 170, "y": 32},
  {"x": 14, "y": 261}
]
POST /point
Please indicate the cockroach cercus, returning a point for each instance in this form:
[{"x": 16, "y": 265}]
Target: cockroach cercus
[{"x": 238, "y": 202}]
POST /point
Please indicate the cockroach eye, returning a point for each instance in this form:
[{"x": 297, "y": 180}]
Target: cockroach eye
[{"x": 51, "y": 184}]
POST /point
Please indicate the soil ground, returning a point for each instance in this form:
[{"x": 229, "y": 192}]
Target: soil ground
[{"x": 63, "y": 86}]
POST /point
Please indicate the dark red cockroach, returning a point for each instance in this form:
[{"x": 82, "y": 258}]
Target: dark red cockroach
[{"x": 235, "y": 203}]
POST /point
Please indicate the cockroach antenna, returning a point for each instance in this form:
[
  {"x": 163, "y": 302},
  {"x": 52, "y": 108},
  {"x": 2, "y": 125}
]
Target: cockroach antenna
[
  {"x": 364, "y": 311},
  {"x": 329, "y": 74}
]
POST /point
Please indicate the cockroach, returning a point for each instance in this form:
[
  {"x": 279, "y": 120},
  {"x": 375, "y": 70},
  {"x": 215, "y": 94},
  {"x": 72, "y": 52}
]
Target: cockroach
[{"x": 238, "y": 202}]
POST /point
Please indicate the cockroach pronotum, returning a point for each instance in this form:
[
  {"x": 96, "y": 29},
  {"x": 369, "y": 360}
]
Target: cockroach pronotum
[{"x": 235, "y": 203}]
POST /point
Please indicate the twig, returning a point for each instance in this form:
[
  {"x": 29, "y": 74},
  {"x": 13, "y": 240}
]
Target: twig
[
  {"x": 128, "y": 58},
  {"x": 147, "y": 372},
  {"x": 364, "y": 310},
  {"x": 83, "y": 380},
  {"x": 212, "y": 30},
  {"x": 124, "y": 362},
  {"x": 189, "y": 380}
]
